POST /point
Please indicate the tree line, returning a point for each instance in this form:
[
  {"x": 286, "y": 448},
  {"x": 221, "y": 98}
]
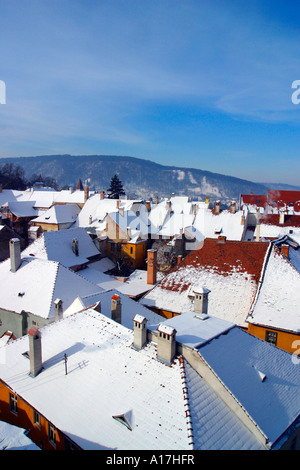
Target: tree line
[{"x": 13, "y": 177}]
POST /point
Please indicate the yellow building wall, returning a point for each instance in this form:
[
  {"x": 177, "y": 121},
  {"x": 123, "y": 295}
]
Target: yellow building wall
[
  {"x": 287, "y": 341},
  {"x": 24, "y": 418},
  {"x": 48, "y": 227},
  {"x": 133, "y": 254}
]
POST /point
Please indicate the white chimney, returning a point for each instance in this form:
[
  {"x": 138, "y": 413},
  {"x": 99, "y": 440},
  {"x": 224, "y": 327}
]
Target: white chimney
[
  {"x": 35, "y": 351},
  {"x": 201, "y": 299},
  {"x": 15, "y": 254},
  {"x": 139, "y": 331},
  {"x": 281, "y": 217},
  {"x": 166, "y": 343}
]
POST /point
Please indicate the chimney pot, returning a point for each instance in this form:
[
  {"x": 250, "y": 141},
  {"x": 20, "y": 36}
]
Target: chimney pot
[
  {"x": 201, "y": 299},
  {"x": 139, "y": 331},
  {"x": 166, "y": 343}
]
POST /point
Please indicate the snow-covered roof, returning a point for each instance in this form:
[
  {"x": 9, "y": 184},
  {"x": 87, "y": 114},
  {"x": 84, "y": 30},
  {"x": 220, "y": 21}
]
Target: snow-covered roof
[
  {"x": 129, "y": 308},
  {"x": 59, "y": 214},
  {"x": 37, "y": 283},
  {"x": 238, "y": 359},
  {"x": 194, "y": 329},
  {"x": 147, "y": 395},
  {"x": 106, "y": 378},
  {"x": 22, "y": 209},
  {"x": 135, "y": 285},
  {"x": 225, "y": 223},
  {"x": 57, "y": 246},
  {"x": 231, "y": 272},
  {"x": 277, "y": 305},
  {"x": 15, "y": 438}
]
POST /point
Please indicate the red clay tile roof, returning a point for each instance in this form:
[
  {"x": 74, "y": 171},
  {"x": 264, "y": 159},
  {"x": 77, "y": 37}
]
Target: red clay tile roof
[
  {"x": 284, "y": 198},
  {"x": 273, "y": 219},
  {"x": 221, "y": 258},
  {"x": 255, "y": 199}
]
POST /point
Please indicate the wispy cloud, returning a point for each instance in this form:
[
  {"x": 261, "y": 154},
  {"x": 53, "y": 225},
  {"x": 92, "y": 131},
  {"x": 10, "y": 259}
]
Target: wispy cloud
[{"x": 104, "y": 71}]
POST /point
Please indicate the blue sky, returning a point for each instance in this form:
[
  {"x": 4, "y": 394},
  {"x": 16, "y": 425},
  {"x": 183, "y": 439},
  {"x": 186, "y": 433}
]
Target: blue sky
[{"x": 192, "y": 83}]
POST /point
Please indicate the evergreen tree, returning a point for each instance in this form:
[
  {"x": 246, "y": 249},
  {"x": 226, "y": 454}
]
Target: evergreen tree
[{"x": 116, "y": 188}]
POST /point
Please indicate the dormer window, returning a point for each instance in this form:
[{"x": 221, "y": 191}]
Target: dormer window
[{"x": 122, "y": 419}]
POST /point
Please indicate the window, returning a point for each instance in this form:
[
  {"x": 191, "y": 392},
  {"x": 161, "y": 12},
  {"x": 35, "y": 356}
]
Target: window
[
  {"x": 13, "y": 403},
  {"x": 52, "y": 434},
  {"x": 271, "y": 337},
  {"x": 36, "y": 419}
]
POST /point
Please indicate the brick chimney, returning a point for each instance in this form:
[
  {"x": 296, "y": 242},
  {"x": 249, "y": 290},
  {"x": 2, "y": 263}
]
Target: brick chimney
[
  {"x": 179, "y": 259},
  {"x": 166, "y": 343},
  {"x": 15, "y": 254},
  {"x": 86, "y": 193},
  {"x": 151, "y": 266},
  {"x": 201, "y": 299},
  {"x": 285, "y": 250},
  {"x": 148, "y": 206},
  {"x": 58, "y": 309},
  {"x": 116, "y": 308},
  {"x": 139, "y": 331},
  {"x": 35, "y": 351},
  {"x": 102, "y": 195}
]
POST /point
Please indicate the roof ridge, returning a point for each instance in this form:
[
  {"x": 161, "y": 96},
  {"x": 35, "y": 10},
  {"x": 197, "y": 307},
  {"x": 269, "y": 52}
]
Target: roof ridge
[
  {"x": 53, "y": 286},
  {"x": 186, "y": 403}
]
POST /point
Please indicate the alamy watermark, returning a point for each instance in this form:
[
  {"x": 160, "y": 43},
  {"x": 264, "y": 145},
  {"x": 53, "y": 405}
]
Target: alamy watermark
[
  {"x": 2, "y": 92},
  {"x": 296, "y": 94}
]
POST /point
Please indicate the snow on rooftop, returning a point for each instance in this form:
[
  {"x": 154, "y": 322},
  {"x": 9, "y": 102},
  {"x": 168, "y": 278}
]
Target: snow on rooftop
[
  {"x": 193, "y": 329},
  {"x": 59, "y": 214},
  {"x": 215, "y": 426},
  {"x": 106, "y": 377},
  {"x": 230, "y": 271},
  {"x": 230, "y": 297},
  {"x": 129, "y": 308},
  {"x": 15, "y": 438},
  {"x": 37, "y": 283},
  {"x": 273, "y": 403},
  {"x": 57, "y": 246},
  {"x": 278, "y": 301}
]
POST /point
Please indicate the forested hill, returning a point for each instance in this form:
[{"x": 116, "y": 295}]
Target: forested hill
[{"x": 140, "y": 178}]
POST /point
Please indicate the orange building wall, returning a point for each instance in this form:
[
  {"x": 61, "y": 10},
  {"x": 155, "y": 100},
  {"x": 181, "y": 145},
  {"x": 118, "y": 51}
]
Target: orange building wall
[
  {"x": 131, "y": 253},
  {"x": 24, "y": 418},
  {"x": 287, "y": 341}
]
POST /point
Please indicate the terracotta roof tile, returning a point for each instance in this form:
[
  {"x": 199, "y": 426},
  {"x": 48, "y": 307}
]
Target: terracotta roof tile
[
  {"x": 222, "y": 258},
  {"x": 273, "y": 219}
]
